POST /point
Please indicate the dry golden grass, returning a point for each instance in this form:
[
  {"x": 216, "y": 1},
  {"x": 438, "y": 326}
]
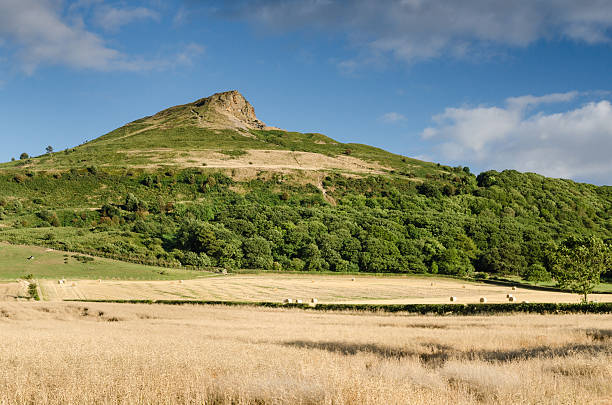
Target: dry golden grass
[
  {"x": 327, "y": 289},
  {"x": 12, "y": 290},
  {"x": 260, "y": 159},
  {"x": 131, "y": 354}
]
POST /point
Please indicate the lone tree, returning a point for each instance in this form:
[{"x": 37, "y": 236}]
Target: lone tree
[
  {"x": 24, "y": 156},
  {"x": 578, "y": 262},
  {"x": 49, "y": 149}
]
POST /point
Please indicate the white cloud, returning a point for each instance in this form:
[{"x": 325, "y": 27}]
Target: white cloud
[
  {"x": 392, "y": 117},
  {"x": 111, "y": 18},
  {"x": 40, "y": 36},
  {"x": 575, "y": 143},
  {"x": 413, "y": 30},
  {"x": 45, "y": 32}
]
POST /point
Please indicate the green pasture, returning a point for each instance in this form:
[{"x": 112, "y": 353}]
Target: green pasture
[{"x": 47, "y": 264}]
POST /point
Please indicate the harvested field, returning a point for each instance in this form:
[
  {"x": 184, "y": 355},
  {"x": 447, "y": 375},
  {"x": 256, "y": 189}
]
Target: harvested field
[
  {"x": 327, "y": 289},
  {"x": 12, "y": 291},
  {"x": 135, "y": 354}
]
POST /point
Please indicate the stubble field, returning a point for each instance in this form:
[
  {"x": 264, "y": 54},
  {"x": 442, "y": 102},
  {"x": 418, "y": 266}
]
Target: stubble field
[
  {"x": 326, "y": 288},
  {"x": 110, "y": 279},
  {"x": 112, "y": 353}
]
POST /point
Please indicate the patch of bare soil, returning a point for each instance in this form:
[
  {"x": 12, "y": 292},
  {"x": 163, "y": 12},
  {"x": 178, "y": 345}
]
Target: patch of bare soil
[{"x": 262, "y": 159}]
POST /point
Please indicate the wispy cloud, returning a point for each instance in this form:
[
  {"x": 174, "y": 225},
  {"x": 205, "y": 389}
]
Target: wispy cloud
[
  {"x": 392, "y": 117},
  {"x": 573, "y": 143},
  {"x": 415, "y": 30},
  {"x": 113, "y": 18}
]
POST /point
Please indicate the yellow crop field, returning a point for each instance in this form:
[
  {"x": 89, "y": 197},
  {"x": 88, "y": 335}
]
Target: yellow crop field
[
  {"x": 326, "y": 288},
  {"x": 71, "y": 353}
]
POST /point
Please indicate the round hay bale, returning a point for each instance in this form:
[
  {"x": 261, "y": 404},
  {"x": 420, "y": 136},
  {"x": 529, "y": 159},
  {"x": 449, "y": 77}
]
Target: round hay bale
[
  {"x": 513, "y": 288},
  {"x": 453, "y": 299},
  {"x": 298, "y": 301},
  {"x": 483, "y": 299},
  {"x": 511, "y": 299},
  {"x": 314, "y": 301},
  {"x": 288, "y": 301}
]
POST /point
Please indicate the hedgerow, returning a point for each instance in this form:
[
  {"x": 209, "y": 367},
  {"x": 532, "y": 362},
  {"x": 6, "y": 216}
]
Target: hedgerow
[{"x": 423, "y": 309}]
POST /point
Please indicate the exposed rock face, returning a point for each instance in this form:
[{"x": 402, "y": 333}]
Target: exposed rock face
[
  {"x": 227, "y": 110},
  {"x": 230, "y": 106}
]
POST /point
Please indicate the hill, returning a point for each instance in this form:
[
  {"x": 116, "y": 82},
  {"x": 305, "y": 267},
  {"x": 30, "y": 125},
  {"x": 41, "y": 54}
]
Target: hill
[
  {"x": 207, "y": 184},
  {"x": 220, "y": 131}
]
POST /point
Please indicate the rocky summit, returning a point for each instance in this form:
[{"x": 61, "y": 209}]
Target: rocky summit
[{"x": 225, "y": 110}]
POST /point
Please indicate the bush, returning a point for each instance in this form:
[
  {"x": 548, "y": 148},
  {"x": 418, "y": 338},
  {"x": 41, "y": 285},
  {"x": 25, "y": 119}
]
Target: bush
[
  {"x": 196, "y": 260},
  {"x": 480, "y": 275},
  {"x": 536, "y": 273},
  {"x": 133, "y": 204},
  {"x": 429, "y": 190},
  {"x": 33, "y": 291},
  {"x": 50, "y": 217}
]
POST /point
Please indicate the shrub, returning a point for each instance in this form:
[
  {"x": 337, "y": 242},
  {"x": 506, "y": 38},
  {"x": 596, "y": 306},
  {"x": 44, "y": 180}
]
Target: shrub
[
  {"x": 536, "y": 273},
  {"x": 429, "y": 190},
  {"x": 33, "y": 291}
]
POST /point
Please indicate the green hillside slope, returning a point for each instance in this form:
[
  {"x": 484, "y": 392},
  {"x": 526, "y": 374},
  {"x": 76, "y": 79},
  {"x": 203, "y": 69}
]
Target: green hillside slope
[{"x": 207, "y": 184}]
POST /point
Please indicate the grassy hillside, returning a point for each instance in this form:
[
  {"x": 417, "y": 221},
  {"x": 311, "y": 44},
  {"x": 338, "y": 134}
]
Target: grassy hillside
[
  {"x": 193, "y": 147},
  {"x": 54, "y": 265},
  {"x": 179, "y": 188},
  {"x": 212, "y": 130}
]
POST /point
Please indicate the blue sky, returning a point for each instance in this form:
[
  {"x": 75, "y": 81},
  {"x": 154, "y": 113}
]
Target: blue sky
[{"x": 486, "y": 84}]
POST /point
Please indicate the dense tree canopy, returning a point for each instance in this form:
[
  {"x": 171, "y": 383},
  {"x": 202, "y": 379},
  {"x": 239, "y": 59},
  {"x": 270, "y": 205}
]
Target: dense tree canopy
[{"x": 497, "y": 223}]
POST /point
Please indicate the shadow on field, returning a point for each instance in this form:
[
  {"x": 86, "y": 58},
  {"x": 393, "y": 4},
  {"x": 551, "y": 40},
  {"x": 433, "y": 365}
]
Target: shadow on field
[
  {"x": 435, "y": 355},
  {"x": 432, "y": 354},
  {"x": 599, "y": 334},
  {"x": 414, "y": 326},
  {"x": 503, "y": 356}
]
